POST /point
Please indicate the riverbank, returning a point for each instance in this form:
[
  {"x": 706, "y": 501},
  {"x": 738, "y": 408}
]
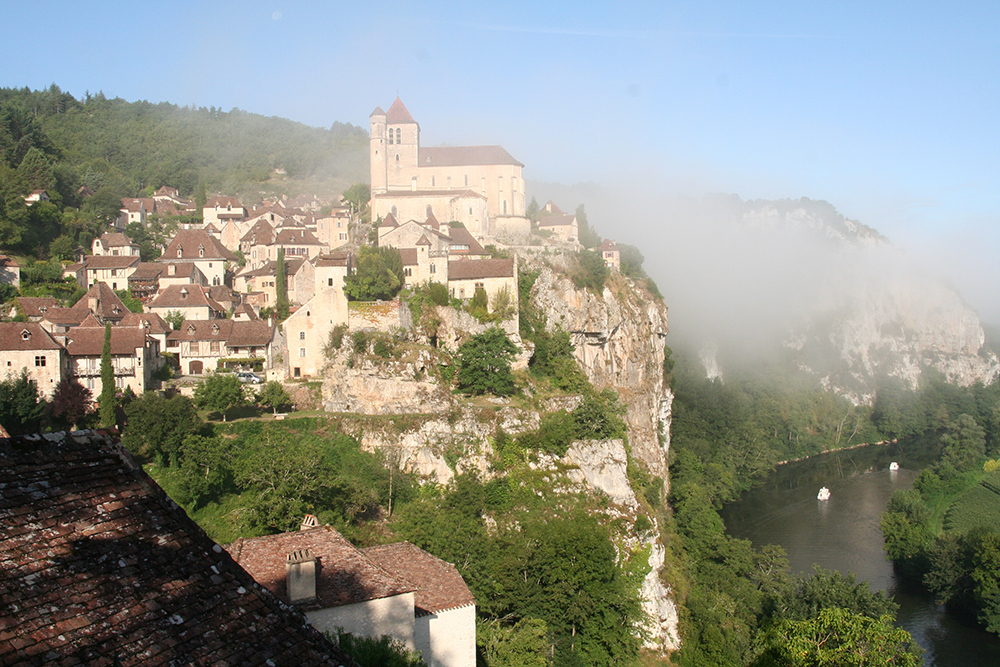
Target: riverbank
[{"x": 881, "y": 443}]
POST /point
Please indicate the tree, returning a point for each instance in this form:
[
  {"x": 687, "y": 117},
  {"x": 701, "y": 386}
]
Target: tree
[
  {"x": 175, "y": 318},
  {"x": 522, "y": 644},
  {"x": 479, "y": 304},
  {"x": 358, "y": 197},
  {"x": 964, "y": 444},
  {"x": 532, "y": 211},
  {"x": 837, "y": 638},
  {"x": 133, "y": 304},
  {"x": 281, "y": 288},
  {"x": 383, "y": 651},
  {"x": 157, "y": 426},
  {"x": 219, "y": 392},
  {"x": 484, "y": 363},
  {"x": 588, "y": 237},
  {"x": 21, "y": 408},
  {"x": 71, "y": 402},
  {"x": 377, "y": 276},
  {"x": 273, "y": 395},
  {"x": 107, "y": 400}
]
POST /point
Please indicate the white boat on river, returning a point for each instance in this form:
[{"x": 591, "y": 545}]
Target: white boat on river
[{"x": 824, "y": 494}]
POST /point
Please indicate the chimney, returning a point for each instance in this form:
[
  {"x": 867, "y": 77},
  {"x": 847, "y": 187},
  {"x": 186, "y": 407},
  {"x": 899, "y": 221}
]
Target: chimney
[
  {"x": 300, "y": 576},
  {"x": 310, "y": 521},
  {"x": 92, "y": 303}
]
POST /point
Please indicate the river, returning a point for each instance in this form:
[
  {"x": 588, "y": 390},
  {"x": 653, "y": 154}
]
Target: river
[{"x": 843, "y": 534}]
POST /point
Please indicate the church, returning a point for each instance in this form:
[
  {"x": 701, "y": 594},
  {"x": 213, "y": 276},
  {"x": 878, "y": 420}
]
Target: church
[{"x": 479, "y": 186}]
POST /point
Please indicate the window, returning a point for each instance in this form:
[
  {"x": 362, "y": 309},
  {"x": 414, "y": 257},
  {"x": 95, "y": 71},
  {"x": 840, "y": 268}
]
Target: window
[
  {"x": 433, "y": 181},
  {"x": 214, "y": 347},
  {"x": 466, "y": 180},
  {"x": 195, "y": 347},
  {"x": 40, "y": 361},
  {"x": 407, "y": 271},
  {"x": 302, "y": 335},
  {"x": 397, "y": 158},
  {"x": 179, "y": 251},
  {"x": 343, "y": 236},
  {"x": 433, "y": 268},
  {"x": 329, "y": 282},
  {"x": 302, "y": 351},
  {"x": 201, "y": 251},
  {"x": 297, "y": 372},
  {"x": 399, "y": 133},
  {"x": 500, "y": 183},
  {"x": 449, "y": 182}
]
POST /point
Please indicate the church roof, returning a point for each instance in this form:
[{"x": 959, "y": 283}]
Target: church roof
[
  {"x": 458, "y": 156},
  {"x": 397, "y": 113},
  {"x": 378, "y": 112}
]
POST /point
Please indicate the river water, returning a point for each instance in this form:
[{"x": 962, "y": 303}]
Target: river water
[{"x": 843, "y": 534}]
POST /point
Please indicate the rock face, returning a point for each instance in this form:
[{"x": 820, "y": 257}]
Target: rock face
[{"x": 619, "y": 337}]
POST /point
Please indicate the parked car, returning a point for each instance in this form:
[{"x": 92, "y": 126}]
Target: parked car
[{"x": 250, "y": 378}]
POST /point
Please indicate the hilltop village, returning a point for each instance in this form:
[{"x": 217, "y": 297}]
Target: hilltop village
[{"x": 266, "y": 292}]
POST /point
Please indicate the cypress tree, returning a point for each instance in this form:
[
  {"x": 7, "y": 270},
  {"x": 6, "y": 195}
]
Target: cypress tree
[
  {"x": 107, "y": 399},
  {"x": 281, "y": 287}
]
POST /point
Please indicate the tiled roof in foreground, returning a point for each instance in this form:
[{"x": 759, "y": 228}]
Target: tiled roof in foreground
[{"x": 99, "y": 567}]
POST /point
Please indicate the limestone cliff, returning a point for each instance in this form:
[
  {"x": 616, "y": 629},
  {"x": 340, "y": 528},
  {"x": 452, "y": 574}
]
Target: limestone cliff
[{"x": 619, "y": 337}]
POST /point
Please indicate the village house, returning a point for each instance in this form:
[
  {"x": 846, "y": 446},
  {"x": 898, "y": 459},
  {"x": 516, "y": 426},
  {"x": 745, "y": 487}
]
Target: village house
[
  {"x": 300, "y": 275},
  {"x": 36, "y": 196},
  {"x": 105, "y": 569},
  {"x": 191, "y": 302},
  {"x": 10, "y": 271},
  {"x": 134, "y": 209},
  {"x": 296, "y": 242},
  {"x": 134, "y": 356},
  {"x": 33, "y": 307},
  {"x": 111, "y": 269},
  {"x": 562, "y": 228},
  {"x": 400, "y": 167},
  {"x": 610, "y": 255},
  {"x": 333, "y": 230},
  {"x": 397, "y": 590},
  {"x": 197, "y": 247},
  {"x": 99, "y": 301},
  {"x": 114, "y": 243},
  {"x": 154, "y": 326},
  {"x": 465, "y": 206},
  {"x": 204, "y": 346},
  {"x": 498, "y": 277},
  {"x": 308, "y": 329},
  {"x": 26, "y": 346},
  {"x": 219, "y": 210}
]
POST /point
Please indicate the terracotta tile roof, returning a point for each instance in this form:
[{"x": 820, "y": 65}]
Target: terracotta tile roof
[
  {"x": 457, "y": 156},
  {"x": 115, "y": 240},
  {"x": 67, "y": 316},
  {"x": 345, "y": 576},
  {"x": 157, "y": 325},
  {"x": 89, "y": 341},
  {"x": 397, "y": 113},
  {"x": 334, "y": 259},
  {"x": 439, "y": 586},
  {"x": 461, "y": 236},
  {"x": 167, "y": 191},
  {"x": 110, "y": 261},
  {"x": 7, "y": 262},
  {"x": 149, "y": 271},
  {"x": 607, "y": 245},
  {"x": 270, "y": 268},
  {"x": 185, "y": 296},
  {"x": 452, "y": 194},
  {"x": 550, "y": 206},
  {"x": 109, "y": 306},
  {"x": 556, "y": 220},
  {"x": 247, "y": 310},
  {"x": 91, "y": 321},
  {"x": 261, "y": 233},
  {"x": 100, "y": 566},
  {"x": 300, "y": 236},
  {"x": 423, "y": 240},
  {"x": 223, "y": 201},
  {"x": 389, "y": 221},
  {"x": 35, "y": 306},
  {"x": 235, "y": 333},
  {"x": 190, "y": 241},
  {"x": 409, "y": 255},
  {"x": 24, "y": 336},
  {"x": 471, "y": 269},
  {"x": 255, "y": 333}
]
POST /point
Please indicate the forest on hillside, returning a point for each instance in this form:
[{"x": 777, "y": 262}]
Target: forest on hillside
[{"x": 112, "y": 148}]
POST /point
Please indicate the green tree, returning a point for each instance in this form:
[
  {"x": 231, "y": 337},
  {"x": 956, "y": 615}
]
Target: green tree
[
  {"x": 21, "y": 408},
  {"x": 484, "y": 364},
  {"x": 478, "y": 304},
  {"x": 273, "y": 395},
  {"x": 964, "y": 444},
  {"x": 358, "y": 197},
  {"x": 532, "y": 210},
  {"x": 175, "y": 318},
  {"x": 133, "y": 304},
  {"x": 590, "y": 272},
  {"x": 837, "y": 638},
  {"x": 986, "y": 576},
  {"x": 281, "y": 288},
  {"x": 521, "y": 644},
  {"x": 157, "y": 426},
  {"x": 70, "y": 404},
  {"x": 589, "y": 238},
  {"x": 107, "y": 400},
  {"x": 383, "y": 651},
  {"x": 377, "y": 276},
  {"x": 219, "y": 392}
]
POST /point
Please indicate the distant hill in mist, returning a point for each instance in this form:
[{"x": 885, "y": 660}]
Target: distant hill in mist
[{"x": 128, "y": 146}]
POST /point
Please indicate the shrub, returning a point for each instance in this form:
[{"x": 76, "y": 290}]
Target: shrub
[{"x": 484, "y": 364}]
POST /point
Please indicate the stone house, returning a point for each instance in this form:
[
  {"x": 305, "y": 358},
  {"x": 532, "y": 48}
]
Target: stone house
[
  {"x": 134, "y": 209},
  {"x": 114, "y": 243},
  {"x": 333, "y": 230},
  {"x": 219, "y": 210},
  {"x": 29, "y": 347},
  {"x": 561, "y": 228},
  {"x": 397, "y": 590},
  {"x": 204, "y": 346},
  {"x": 33, "y": 307},
  {"x": 191, "y": 301},
  {"x": 308, "y": 329},
  {"x": 106, "y": 569},
  {"x": 111, "y": 269},
  {"x": 300, "y": 275},
  {"x": 610, "y": 255},
  {"x": 134, "y": 357},
  {"x": 492, "y": 275},
  {"x": 465, "y": 206},
  {"x": 195, "y": 246},
  {"x": 10, "y": 271}
]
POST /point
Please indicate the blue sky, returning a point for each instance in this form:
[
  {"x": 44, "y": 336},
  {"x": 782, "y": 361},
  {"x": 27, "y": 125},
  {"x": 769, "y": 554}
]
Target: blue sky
[{"x": 887, "y": 110}]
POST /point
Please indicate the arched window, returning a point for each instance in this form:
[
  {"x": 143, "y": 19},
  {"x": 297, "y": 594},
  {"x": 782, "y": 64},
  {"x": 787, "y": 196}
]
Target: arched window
[
  {"x": 397, "y": 157},
  {"x": 399, "y": 133}
]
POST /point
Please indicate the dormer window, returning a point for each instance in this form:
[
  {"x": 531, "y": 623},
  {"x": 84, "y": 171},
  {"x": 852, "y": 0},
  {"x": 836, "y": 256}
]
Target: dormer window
[
  {"x": 184, "y": 293},
  {"x": 25, "y": 334},
  {"x": 201, "y": 251},
  {"x": 180, "y": 251},
  {"x": 215, "y": 329},
  {"x": 191, "y": 329}
]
